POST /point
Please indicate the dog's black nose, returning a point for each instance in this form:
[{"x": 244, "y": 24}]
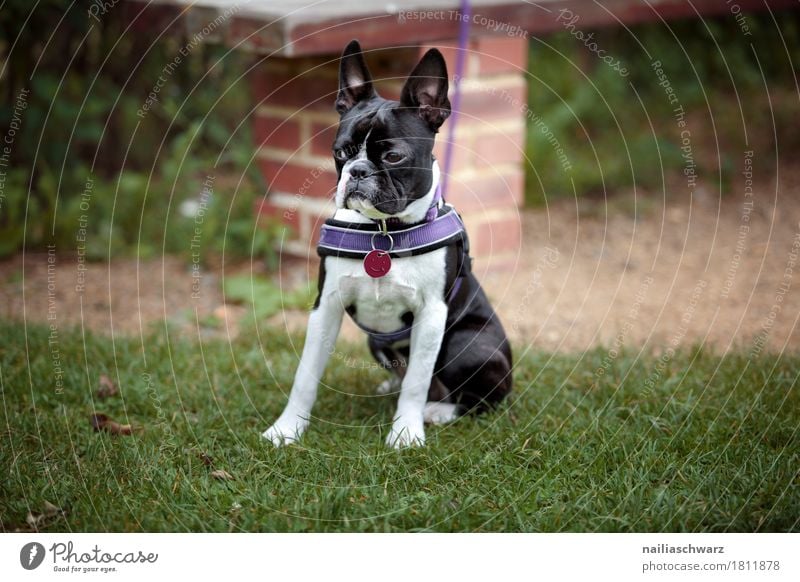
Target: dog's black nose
[{"x": 359, "y": 170}]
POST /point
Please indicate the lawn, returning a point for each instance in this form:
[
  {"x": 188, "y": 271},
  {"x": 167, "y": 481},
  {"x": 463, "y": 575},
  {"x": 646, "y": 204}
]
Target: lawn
[{"x": 712, "y": 446}]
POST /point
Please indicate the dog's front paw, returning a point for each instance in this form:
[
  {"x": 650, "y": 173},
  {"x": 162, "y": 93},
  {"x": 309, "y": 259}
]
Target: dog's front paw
[
  {"x": 286, "y": 431},
  {"x": 406, "y": 434}
]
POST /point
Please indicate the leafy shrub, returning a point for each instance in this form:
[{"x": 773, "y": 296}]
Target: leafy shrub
[
  {"x": 618, "y": 131},
  {"x": 89, "y": 161}
]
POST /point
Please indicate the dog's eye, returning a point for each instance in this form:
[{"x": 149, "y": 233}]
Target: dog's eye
[
  {"x": 393, "y": 157},
  {"x": 340, "y": 155}
]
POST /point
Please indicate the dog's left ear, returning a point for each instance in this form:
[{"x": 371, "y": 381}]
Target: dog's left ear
[{"x": 426, "y": 88}]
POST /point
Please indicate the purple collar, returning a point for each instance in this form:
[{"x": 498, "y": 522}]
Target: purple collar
[{"x": 355, "y": 240}]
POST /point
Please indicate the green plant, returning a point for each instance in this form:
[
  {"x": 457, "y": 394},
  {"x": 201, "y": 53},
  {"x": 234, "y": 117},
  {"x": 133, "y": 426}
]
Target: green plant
[
  {"x": 89, "y": 162},
  {"x": 264, "y": 297},
  {"x": 622, "y": 131}
]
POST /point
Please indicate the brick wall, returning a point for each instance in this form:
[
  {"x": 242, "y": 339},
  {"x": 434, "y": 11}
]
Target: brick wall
[{"x": 295, "y": 124}]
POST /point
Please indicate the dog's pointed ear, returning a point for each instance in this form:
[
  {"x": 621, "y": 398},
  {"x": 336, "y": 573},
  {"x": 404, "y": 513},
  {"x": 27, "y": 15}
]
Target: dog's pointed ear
[
  {"x": 355, "y": 82},
  {"x": 426, "y": 89}
]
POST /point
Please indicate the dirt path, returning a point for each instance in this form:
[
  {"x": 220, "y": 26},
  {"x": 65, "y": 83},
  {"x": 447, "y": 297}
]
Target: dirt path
[
  {"x": 694, "y": 272},
  {"x": 702, "y": 270}
]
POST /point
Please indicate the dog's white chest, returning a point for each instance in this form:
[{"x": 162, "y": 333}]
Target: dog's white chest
[{"x": 380, "y": 304}]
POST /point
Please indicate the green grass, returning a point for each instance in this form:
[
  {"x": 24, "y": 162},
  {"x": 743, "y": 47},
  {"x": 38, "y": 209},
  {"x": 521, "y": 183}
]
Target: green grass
[{"x": 713, "y": 447}]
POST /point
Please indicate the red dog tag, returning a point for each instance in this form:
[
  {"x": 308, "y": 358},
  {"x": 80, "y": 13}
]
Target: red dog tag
[{"x": 377, "y": 263}]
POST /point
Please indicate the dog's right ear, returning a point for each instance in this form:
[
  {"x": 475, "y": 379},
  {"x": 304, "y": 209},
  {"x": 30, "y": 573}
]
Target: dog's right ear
[{"x": 355, "y": 82}]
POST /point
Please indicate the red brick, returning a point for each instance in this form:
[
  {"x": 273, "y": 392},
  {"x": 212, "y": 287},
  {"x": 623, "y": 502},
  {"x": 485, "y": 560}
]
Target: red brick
[
  {"x": 391, "y": 63},
  {"x": 462, "y": 154},
  {"x": 498, "y": 236},
  {"x": 303, "y": 90},
  {"x": 390, "y": 91},
  {"x": 500, "y": 147},
  {"x": 449, "y": 52},
  {"x": 308, "y": 84},
  {"x": 295, "y": 179},
  {"x": 488, "y": 101},
  {"x": 494, "y": 55},
  {"x": 322, "y": 136},
  {"x": 276, "y": 132},
  {"x": 489, "y": 191},
  {"x": 315, "y": 222},
  {"x": 501, "y": 55}
]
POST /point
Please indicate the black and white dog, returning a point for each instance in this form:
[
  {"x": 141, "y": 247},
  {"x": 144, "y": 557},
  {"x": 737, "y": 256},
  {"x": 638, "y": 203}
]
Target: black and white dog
[{"x": 395, "y": 258}]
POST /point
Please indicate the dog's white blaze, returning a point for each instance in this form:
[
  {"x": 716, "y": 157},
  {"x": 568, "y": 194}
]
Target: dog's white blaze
[{"x": 341, "y": 186}]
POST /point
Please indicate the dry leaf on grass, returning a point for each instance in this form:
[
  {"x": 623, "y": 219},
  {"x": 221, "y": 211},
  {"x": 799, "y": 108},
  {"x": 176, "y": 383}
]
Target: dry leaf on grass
[
  {"x": 221, "y": 475},
  {"x": 208, "y": 461},
  {"x": 103, "y": 422},
  {"x": 107, "y": 388},
  {"x": 35, "y": 521}
]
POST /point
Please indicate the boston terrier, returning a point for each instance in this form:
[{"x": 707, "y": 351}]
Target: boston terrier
[{"x": 395, "y": 258}]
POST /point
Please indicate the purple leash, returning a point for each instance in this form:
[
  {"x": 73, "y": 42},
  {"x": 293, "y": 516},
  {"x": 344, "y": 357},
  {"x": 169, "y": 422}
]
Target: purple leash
[{"x": 463, "y": 38}]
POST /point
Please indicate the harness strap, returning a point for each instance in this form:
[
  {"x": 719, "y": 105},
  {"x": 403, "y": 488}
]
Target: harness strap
[
  {"x": 355, "y": 240},
  {"x": 382, "y": 340}
]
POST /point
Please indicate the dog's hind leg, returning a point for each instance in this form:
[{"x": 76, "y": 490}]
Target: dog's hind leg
[
  {"x": 476, "y": 368},
  {"x": 394, "y": 360},
  {"x": 436, "y": 412},
  {"x": 389, "y": 386}
]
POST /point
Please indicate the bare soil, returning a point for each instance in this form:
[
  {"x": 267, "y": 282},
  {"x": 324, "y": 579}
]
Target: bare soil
[{"x": 634, "y": 271}]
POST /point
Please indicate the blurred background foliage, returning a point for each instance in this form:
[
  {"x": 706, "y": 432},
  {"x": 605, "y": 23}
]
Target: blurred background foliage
[
  {"x": 84, "y": 131},
  {"x": 603, "y": 120},
  {"x": 89, "y": 81}
]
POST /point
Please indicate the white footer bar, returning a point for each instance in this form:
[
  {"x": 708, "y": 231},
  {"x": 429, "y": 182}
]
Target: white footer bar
[{"x": 401, "y": 557}]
